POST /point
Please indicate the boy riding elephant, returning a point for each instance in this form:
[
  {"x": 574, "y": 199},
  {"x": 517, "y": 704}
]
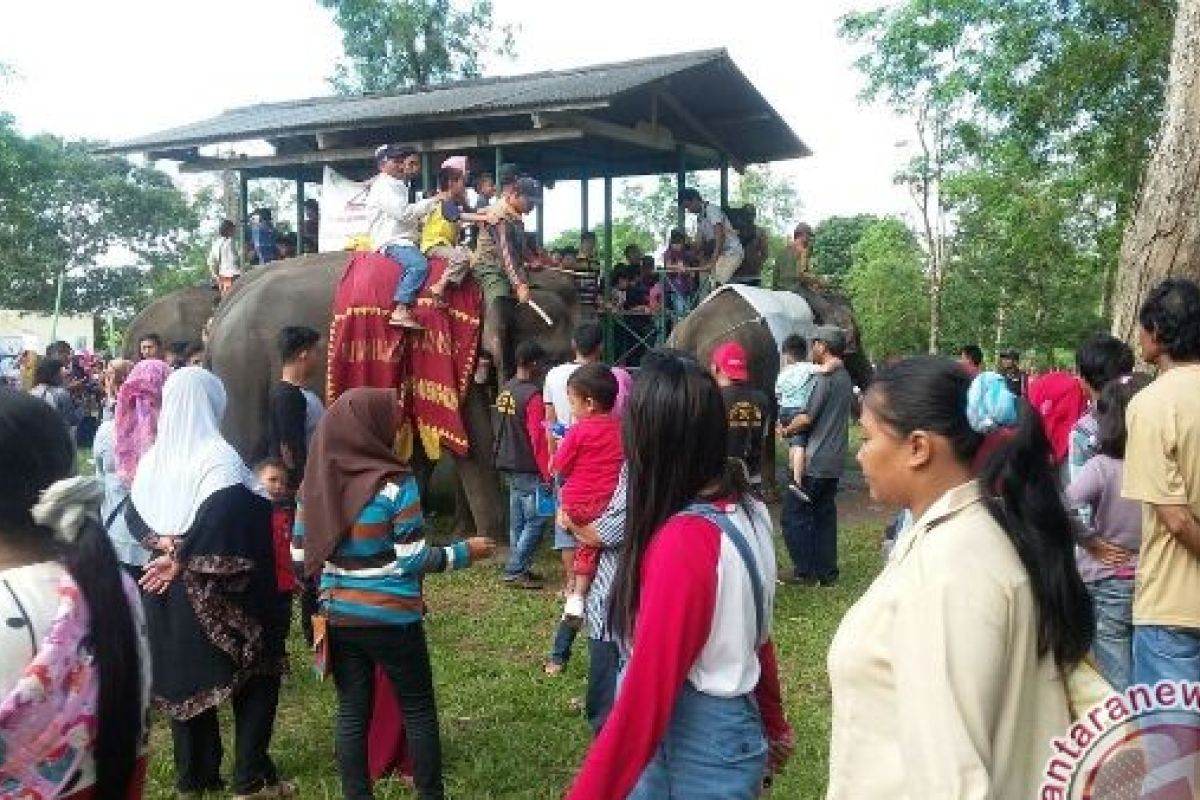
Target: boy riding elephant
[{"x": 500, "y": 259}]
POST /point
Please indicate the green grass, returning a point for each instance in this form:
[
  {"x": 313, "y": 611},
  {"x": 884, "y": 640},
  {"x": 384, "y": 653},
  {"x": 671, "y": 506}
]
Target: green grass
[{"x": 510, "y": 732}]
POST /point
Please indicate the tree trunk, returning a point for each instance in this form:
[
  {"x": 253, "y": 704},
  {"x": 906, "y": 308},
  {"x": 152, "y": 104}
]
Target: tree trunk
[{"x": 1163, "y": 236}]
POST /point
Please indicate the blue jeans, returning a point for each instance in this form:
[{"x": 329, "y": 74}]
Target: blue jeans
[
  {"x": 564, "y": 638},
  {"x": 525, "y": 526},
  {"x": 714, "y": 749},
  {"x": 413, "y": 269},
  {"x": 1161, "y": 653},
  {"x": 1113, "y": 647},
  {"x": 604, "y": 665},
  {"x": 810, "y": 529}
]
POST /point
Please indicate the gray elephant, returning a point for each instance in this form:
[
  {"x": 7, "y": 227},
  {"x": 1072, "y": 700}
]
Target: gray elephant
[
  {"x": 299, "y": 291},
  {"x": 728, "y": 317},
  {"x": 176, "y": 317}
]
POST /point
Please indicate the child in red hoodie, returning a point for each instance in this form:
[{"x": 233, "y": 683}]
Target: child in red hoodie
[
  {"x": 588, "y": 462},
  {"x": 273, "y": 475}
]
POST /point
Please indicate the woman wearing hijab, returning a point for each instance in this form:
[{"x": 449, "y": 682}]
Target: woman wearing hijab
[
  {"x": 120, "y": 442},
  {"x": 1060, "y": 400},
  {"x": 73, "y": 660},
  {"x": 214, "y": 614},
  {"x": 360, "y": 526}
]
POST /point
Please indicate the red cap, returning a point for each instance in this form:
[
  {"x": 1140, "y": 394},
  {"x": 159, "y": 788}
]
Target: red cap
[{"x": 730, "y": 358}]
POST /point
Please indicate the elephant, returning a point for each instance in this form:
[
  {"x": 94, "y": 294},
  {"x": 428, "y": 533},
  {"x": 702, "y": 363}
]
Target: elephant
[
  {"x": 728, "y": 317},
  {"x": 299, "y": 291},
  {"x": 176, "y": 317}
]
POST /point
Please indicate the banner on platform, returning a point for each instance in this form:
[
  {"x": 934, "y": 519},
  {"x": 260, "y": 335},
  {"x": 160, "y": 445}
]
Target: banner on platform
[{"x": 344, "y": 221}]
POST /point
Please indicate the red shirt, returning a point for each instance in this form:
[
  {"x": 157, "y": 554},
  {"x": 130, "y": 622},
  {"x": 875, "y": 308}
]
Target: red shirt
[
  {"x": 282, "y": 517},
  {"x": 675, "y": 616},
  {"x": 589, "y": 461}
]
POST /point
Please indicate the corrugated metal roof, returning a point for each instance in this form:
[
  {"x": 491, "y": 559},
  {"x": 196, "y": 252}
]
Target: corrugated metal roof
[{"x": 498, "y": 94}]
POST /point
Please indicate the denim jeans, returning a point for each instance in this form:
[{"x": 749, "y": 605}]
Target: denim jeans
[
  {"x": 525, "y": 526},
  {"x": 1161, "y": 653},
  {"x": 604, "y": 665},
  {"x": 560, "y": 648},
  {"x": 413, "y": 269},
  {"x": 404, "y": 655},
  {"x": 1113, "y": 647},
  {"x": 714, "y": 749},
  {"x": 810, "y": 529}
]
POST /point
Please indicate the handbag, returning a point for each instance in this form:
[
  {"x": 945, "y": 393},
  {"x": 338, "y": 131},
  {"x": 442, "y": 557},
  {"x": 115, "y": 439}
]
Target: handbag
[{"x": 320, "y": 646}]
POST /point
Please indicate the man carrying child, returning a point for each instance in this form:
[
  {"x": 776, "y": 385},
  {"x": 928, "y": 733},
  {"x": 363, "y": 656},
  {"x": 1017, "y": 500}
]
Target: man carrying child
[{"x": 793, "y": 388}]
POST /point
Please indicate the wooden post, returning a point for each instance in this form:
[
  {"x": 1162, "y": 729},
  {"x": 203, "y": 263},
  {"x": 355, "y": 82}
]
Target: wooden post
[{"x": 299, "y": 213}]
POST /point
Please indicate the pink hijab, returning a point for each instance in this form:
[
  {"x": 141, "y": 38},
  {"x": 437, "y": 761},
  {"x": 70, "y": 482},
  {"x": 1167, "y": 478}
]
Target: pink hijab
[
  {"x": 1059, "y": 399},
  {"x": 138, "y": 403}
]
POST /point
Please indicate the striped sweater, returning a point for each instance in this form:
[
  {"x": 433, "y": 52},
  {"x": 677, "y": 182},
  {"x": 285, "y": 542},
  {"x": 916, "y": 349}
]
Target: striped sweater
[{"x": 374, "y": 575}]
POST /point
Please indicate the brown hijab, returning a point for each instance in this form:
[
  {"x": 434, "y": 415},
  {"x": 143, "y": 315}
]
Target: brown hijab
[{"x": 350, "y": 459}]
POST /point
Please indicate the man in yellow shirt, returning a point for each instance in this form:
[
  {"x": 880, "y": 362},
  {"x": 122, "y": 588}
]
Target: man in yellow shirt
[{"x": 1162, "y": 470}]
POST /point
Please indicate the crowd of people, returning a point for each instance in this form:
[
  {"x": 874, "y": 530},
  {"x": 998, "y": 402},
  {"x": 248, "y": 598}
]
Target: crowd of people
[{"x": 1049, "y": 525}]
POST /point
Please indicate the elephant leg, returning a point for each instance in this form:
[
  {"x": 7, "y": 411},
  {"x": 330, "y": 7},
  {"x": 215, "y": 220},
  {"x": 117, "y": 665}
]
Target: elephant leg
[
  {"x": 770, "y": 473},
  {"x": 464, "y": 520},
  {"x": 477, "y": 470},
  {"x": 422, "y": 467}
]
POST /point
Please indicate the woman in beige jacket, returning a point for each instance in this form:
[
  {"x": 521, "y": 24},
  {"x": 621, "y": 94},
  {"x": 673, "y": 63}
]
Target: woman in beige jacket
[{"x": 947, "y": 673}]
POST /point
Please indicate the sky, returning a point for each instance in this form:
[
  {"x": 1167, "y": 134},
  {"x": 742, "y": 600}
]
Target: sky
[{"x": 121, "y": 68}]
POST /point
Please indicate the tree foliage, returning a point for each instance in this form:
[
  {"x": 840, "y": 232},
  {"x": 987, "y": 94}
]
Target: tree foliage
[
  {"x": 398, "y": 44},
  {"x": 833, "y": 244},
  {"x": 888, "y": 288},
  {"x": 625, "y": 232},
  {"x": 1046, "y": 111},
  {"x": 113, "y": 226}
]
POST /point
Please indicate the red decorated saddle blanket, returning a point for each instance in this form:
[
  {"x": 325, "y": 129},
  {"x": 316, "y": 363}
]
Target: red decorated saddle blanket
[{"x": 431, "y": 369}]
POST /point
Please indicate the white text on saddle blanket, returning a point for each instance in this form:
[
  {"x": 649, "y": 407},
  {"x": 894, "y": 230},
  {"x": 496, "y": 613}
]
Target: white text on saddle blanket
[{"x": 785, "y": 313}]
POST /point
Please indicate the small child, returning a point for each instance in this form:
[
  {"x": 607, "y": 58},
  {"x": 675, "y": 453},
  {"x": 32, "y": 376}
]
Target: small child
[
  {"x": 441, "y": 230},
  {"x": 588, "y": 462},
  {"x": 793, "y": 388},
  {"x": 273, "y": 475}
]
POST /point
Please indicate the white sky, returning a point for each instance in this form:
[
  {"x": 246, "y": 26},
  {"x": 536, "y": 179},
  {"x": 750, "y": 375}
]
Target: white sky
[{"x": 122, "y": 68}]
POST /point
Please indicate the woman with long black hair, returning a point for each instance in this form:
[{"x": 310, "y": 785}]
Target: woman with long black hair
[
  {"x": 693, "y": 596},
  {"x": 948, "y": 674},
  {"x": 72, "y": 699}
]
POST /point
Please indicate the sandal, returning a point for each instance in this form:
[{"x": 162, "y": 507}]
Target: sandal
[{"x": 439, "y": 299}]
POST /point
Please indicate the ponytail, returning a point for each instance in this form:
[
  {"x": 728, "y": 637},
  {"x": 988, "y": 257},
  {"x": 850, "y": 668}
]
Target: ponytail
[
  {"x": 93, "y": 566},
  {"x": 1020, "y": 486},
  {"x": 1023, "y": 496}
]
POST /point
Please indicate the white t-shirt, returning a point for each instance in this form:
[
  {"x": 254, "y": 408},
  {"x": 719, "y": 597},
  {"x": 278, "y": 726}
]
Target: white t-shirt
[
  {"x": 222, "y": 258},
  {"x": 554, "y": 390},
  {"x": 707, "y": 220}
]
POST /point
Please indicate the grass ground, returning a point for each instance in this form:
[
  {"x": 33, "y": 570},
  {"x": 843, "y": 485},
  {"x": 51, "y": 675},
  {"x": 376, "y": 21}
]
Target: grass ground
[{"x": 510, "y": 732}]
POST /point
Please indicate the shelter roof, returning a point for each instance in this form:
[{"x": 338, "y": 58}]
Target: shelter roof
[{"x": 626, "y": 118}]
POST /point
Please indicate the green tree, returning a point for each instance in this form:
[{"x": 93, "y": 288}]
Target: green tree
[
  {"x": 397, "y": 44},
  {"x": 775, "y": 199},
  {"x": 833, "y": 244},
  {"x": 65, "y": 211},
  {"x": 889, "y": 289},
  {"x": 625, "y": 232}
]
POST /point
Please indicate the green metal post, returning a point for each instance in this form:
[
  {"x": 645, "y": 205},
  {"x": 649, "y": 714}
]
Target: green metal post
[
  {"x": 499, "y": 161},
  {"x": 724, "y": 181},
  {"x": 244, "y": 217},
  {"x": 609, "y": 338},
  {"x": 680, "y": 182},
  {"x": 427, "y": 173},
  {"x": 540, "y": 215},
  {"x": 583, "y": 203}
]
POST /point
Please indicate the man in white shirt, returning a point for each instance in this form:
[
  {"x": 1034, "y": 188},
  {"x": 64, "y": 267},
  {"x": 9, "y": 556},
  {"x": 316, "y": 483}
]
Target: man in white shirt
[
  {"x": 395, "y": 225},
  {"x": 223, "y": 258},
  {"x": 719, "y": 243}
]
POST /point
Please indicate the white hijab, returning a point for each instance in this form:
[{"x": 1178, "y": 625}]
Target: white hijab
[{"x": 189, "y": 460}]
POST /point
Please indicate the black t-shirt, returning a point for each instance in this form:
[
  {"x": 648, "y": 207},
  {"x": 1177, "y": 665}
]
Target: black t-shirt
[
  {"x": 286, "y": 426},
  {"x": 746, "y": 410}
]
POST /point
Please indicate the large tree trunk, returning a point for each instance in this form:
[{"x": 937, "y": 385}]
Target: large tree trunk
[{"x": 1163, "y": 237}]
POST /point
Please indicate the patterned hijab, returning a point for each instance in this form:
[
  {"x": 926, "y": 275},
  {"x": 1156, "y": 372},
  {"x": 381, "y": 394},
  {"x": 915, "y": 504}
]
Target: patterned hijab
[
  {"x": 138, "y": 403},
  {"x": 350, "y": 459}
]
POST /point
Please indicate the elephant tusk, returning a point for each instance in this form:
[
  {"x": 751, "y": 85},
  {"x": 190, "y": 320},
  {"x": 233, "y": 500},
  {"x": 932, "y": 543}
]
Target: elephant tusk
[{"x": 538, "y": 309}]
